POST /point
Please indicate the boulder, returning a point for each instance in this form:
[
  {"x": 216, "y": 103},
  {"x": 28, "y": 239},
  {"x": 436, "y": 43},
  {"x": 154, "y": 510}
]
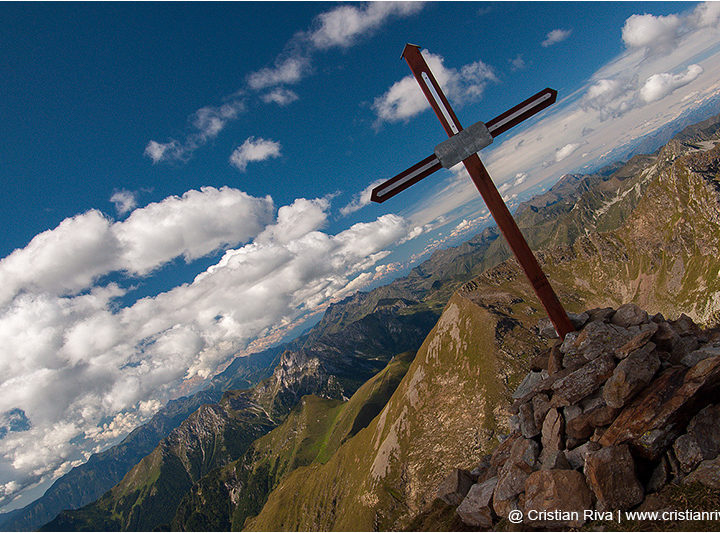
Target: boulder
[
  {"x": 554, "y": 460},
  {"x": 528, "y": 428},
  {"x": 629, "y": 315},
  {"x": 610, "y": 474},
  {"x": 563, "y": 491},
  {"x": 555, "y": 359},
  {"x": 660, "y": 476},
  {"x": 541, "y": 405},
  {"x": 631, "y": 375},
  {"x": 683, "y": 347},
  {"x": 707, "y": 473},
  {"x": 582, "y": 382},
  {"x": 522, "y": 460},
  {"x": 479, "y": 473},
  {"x": 455, "y": 487},
  {"x": 694, "y": 357},
  {"x": 603, "y": 314},
  {"x": 529, "y": 383},
  {"x": 576, "y": 456},
  {"x": 688, "y": 452},
  {"x": 665, "y": 337},
  {"x": 656, "y": 417},
  {"x": 638, "y": 341},
  {"x": 684, "y": 325},
  {"x": 578, "y": 320},
  {"x": 546, "y": 329},
  {"x": 476, "y": 509},
  {"x": 539, "y": 362},
  {"x": 553, "y": 433}
]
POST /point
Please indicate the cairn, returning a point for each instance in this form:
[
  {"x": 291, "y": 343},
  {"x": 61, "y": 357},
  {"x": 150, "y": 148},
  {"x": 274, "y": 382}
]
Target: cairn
[{"x": 619, "y": 409}]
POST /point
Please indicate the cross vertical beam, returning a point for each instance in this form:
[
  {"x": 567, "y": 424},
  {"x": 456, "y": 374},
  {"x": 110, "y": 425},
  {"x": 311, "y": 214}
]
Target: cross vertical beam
[{"x": 485, "y": 186}]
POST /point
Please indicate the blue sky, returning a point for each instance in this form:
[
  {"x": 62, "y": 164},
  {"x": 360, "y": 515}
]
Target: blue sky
[{"x": 185, "y": 182}]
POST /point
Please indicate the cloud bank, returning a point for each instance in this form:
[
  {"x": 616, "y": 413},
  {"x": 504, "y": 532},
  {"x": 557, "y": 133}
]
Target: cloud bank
[{"x": 85, "y": 370}]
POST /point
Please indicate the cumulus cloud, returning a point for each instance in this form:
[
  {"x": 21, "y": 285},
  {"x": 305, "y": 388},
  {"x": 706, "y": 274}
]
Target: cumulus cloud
[
  {"x": 555, "y": 37},
  {"x": 341, "y": 26},
  {"x": 404, "y": 99},
  {"x": 658, "y": 86},
  {"x": 205, "y": 124},
  {"x": 83, "y": 248},
  {"x": 653, "y": 33},
  {"x": 361, "y": 199},
  {"x": 125, "y": 201},
  {"x": 254, "y": 150},
  {"x": 280, "y": 96},
  {"x": 85, "y": 370}
]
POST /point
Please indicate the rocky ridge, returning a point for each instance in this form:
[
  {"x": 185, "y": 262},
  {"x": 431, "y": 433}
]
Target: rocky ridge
[{"x": 620, "y": 409}]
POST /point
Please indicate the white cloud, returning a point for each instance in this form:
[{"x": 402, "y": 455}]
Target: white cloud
[
  {"x": 70, "y": 257},
  {"x": 555, "y": 36},
  {"x": 361, "y": 199},
  {"x": 286, "y": 71},
  {"x": 254, "y": 150},
  {"x": 342, "y": 25},
  {"x": 658, "y": 86},
  {"x": 517, "y": 63},
  {"x": 85, "y": 370},
  {"x": 125, "y": 201},
  {"x": 404, "y": 99},
  {"x": 565, "y": 151},
  {"x": 653, "y": 33},
  {"x": 206, "y": 123},
  {"x": 280, "y": 96}
]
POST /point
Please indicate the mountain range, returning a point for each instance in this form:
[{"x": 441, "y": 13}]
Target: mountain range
[{"x": 340, "y": 430}]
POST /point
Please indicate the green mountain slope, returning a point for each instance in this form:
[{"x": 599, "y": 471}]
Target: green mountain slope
[
  {"x": 311, "y": 434},
  {"x": 445, "y": 413}
]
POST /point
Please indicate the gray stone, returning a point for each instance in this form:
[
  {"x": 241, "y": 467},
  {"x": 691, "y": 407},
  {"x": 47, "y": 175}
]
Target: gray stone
[
  {"x": 578, "y": 319},
  {"x": 522, "y": 460},
  {"x": 599, "y": 338},
  {"x": 665, "y": 337},
  {"x": 656, "y": 417},
  {"x": 631, "y": 375},
  {"x": 582, "y": 382},
  {"x": 528, "y": 428},
  {"x": 576, "y": 456},
  {"x": 479, "y": 473},
  {"x": 659, "y": 477},
  {"x": 684, "y": 325},
  {"x": 555, "y": 460},
  {"x": 476, "y": 509},
  {"x": 629, "y": 315},
  {"x": 610, "y": 474},
  {"x": 707, "y": 473},
  {"x": 455, "y": 487},
  {"x": 682, "y": 348},
  {"x": 603, "y": 314},
  {"x": 557, "y": 490},
  {"x": 570, "y": 412},
  {"x": 541, "y": 405},
  {"x": 527, "y": 385},
  {"x": 638, "y": 341},
  {"x": 705, "y": 427},
  {"x": 546, "y": 329},
  {"x": 568, "y": 344},
  {"x": 688, "y": 452},
  {"x": 694, "y": 357},
  {"x": 555, "y": 360}
]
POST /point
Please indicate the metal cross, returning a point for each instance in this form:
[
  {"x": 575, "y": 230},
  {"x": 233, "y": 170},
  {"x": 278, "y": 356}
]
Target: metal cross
[{"x": 463, "y": 145}]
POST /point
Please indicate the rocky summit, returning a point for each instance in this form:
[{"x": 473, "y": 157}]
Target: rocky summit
[{"x": 621, "y": 409}]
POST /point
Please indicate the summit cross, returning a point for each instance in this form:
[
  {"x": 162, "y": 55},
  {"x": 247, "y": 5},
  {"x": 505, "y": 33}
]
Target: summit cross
[{"x": 463, "y": 145}]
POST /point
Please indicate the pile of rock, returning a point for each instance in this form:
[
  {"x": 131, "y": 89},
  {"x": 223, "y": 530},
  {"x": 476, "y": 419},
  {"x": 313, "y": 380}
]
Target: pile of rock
[{"x": 618, "y": 410}]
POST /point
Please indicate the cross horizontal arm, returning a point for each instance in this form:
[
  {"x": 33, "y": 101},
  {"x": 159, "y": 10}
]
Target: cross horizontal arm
[{"x": 496, "y": 126}]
